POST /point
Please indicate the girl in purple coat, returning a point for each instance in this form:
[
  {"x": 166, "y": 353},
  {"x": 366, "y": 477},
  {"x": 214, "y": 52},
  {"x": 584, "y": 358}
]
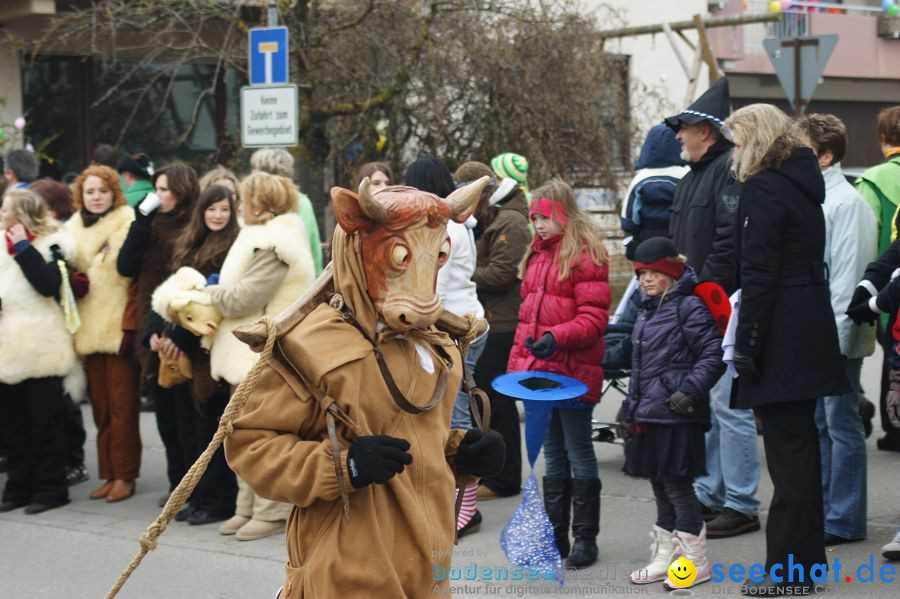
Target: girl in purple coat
[{"x": 676, "y": 359}]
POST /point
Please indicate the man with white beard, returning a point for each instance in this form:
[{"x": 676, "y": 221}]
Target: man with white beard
[{"x": 702, "y": 226}]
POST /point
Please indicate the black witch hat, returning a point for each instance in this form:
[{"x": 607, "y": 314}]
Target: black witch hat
[{"x": 713, "y": 106}]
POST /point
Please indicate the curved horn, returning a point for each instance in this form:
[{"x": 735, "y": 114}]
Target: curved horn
[
  {"x": 464, "y": 200},
  {"x": 369, "y": 206}
]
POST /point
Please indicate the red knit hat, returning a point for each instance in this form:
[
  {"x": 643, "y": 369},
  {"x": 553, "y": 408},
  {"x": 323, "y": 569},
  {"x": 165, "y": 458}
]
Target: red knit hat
[{"x": 658, "y": 253}]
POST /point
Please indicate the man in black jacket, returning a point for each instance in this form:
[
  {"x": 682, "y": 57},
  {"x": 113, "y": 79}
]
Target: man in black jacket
[{"x": 702, "y": 226}]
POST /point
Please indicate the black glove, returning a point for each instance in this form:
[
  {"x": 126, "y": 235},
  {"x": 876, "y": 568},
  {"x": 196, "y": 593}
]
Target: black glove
[
  {"x": 480, "y": 454},
  {"x": 683, "y": 404},
  {"x": 543, "y": 347},
  {"x": 889, "y": 298},
  {"x": 858, "y": 310},
  {"x": 183, "y": 339},
  {"x": 746, "y": 367},
  {"x": 376, "y": 458}
]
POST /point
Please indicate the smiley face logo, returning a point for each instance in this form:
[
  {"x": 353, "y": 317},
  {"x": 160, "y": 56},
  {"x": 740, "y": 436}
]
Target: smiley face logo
[{"x": 682, "y": 573}]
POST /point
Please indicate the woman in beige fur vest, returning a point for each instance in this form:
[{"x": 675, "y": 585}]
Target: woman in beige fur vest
[
  {"x": 38, "y": 354},
  {"x": 266, "y": 269},
  {"x": 99, "y": 227}
]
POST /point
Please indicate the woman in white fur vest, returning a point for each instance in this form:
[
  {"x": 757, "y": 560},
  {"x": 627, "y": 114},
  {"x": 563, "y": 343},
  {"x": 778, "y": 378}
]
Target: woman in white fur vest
[
  {"x": 267, "y": 268},
  {"x": 37, "y": 355},
  {"x": 99, "y": 227}
]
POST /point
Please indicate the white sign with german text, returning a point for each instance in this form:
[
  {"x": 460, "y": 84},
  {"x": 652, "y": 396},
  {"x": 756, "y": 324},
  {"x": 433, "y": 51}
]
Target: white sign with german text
[{"x": 269, "y": 116}]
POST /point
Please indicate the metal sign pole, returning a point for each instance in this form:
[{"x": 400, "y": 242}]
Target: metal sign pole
[
  {"x": 799, "y": 71},
  {"x": 272, "y": 15},
  {"x": 798, "y": 44}
]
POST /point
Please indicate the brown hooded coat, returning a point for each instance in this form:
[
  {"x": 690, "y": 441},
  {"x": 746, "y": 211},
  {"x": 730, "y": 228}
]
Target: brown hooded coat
[{"x": 395, "y": 533}]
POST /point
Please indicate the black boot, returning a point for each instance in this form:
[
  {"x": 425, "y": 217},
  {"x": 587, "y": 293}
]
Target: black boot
[
  {"x": 585, "y": 522},
  {"x": 557, "y": 501}
]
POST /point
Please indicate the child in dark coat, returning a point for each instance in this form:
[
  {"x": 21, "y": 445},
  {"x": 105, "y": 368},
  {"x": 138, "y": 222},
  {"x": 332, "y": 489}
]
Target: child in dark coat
[{"x": 676, "y": 359}]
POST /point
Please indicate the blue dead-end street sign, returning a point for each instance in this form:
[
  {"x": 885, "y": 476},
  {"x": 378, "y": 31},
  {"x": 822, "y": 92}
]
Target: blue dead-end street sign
[{"x": 268, "y": 55}]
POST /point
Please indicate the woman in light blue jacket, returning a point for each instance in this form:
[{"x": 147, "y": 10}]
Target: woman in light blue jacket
[{"x": 850, "y": 244}]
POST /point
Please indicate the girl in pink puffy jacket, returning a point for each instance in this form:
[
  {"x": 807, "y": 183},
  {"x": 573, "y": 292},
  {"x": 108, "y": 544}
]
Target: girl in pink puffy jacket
[{"x": 561, "y": 323}]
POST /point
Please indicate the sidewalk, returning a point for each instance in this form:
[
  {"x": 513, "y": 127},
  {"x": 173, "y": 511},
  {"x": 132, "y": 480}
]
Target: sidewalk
[{"x": 78, "y": 551}]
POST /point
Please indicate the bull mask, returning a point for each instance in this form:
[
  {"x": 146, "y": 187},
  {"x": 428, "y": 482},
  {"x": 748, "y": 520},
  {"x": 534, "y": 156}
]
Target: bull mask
[{"x": 403, "y": 241}]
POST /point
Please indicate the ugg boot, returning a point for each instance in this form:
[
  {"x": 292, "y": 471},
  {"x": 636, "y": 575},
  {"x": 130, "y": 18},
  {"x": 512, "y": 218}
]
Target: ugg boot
[
  {"x": 693, "y": 548},
  {"x": 585, "y": 523},
  {"x": 233, "y": 524},
  {"x": 259, "y": 529},
  {"x": 557, "y": 502},
  {"x": 664, "y": 550}
]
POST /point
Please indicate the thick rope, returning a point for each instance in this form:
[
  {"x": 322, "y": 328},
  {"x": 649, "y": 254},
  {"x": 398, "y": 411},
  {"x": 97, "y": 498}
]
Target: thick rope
[
  {"x": 470, "y": 335},
  {"x": 187, "y": 485}
]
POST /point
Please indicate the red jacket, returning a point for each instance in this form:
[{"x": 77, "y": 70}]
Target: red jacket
[{"x": 574, "y": 310}]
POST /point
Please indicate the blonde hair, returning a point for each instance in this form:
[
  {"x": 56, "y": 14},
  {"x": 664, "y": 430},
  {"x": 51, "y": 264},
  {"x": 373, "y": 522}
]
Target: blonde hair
[
  {"x": 271, "y": 195},
  {"x": 220, "y": 172},
  {"x": 30, "y": 209},
  {"x": 275, "y": 161},
  {"x": 109, "y": 176},
  {"x": 768, "y": 135},
  {"x": 579, "y": 234}
]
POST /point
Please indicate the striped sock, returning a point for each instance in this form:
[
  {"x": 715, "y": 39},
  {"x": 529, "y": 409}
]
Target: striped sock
[{"x": 469, "y": 503}]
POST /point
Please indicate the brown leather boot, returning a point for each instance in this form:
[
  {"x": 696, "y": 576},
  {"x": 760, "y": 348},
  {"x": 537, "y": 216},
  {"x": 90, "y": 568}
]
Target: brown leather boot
[
  {"x": 102, "y": 491},
  {"x": 121, "y": 490}
]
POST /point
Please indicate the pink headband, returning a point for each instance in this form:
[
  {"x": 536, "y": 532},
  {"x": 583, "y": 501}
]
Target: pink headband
[{"x": 548, "y": 208}]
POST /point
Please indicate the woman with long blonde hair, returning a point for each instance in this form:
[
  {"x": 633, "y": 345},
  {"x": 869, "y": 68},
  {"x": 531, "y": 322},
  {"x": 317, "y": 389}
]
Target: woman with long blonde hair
[
  {"x": 38, "y": 355},
  {"x": 786, "y": 347},
  {"x": 562, "y": 319}
]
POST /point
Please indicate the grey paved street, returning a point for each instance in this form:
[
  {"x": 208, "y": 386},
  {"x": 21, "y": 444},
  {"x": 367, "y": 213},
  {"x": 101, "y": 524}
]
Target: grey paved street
[{"x": 78, "y": 551}]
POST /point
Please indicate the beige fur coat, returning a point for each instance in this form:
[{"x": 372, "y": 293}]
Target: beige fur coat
[
  {"x": 102, "y": 308},
  {"x": 285, "y": 234}
]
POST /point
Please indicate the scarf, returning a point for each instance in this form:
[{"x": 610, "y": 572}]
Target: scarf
[{"x": 90, "y": 218}]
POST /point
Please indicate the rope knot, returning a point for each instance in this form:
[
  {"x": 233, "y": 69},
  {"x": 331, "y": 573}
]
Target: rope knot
[{"x": 149, "y": 540}]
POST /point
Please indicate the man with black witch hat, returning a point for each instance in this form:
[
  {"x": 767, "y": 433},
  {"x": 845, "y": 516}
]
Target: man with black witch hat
[{"x": 702, "y": 225}]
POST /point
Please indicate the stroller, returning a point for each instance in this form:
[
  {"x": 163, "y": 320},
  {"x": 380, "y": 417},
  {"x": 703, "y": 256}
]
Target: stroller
[{"x": 617, "y": 360}]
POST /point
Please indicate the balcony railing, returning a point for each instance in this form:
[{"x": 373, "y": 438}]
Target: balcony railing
[
  {"x": 795, "y": 21},
  {"x": 868, "y": 36}
]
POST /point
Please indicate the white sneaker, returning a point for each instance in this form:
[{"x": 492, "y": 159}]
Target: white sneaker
[
  {"x": 663, "y": 551},
  {"x": 694, "y": 550},
  {"x": 892, "y": 549}
]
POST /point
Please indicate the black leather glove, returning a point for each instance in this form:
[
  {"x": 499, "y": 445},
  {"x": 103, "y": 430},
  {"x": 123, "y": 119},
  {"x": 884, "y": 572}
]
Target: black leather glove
[
  {"x": 889, "y": 298},
  {"x": 543, "y": 347},
  {"x": 746, "y": 367},
  {"x": 858, "y": 310},
  {"x": 683, "y": 404},
  {"x": 375, "y": 459},
  {"x": 480, "y": 454}
]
